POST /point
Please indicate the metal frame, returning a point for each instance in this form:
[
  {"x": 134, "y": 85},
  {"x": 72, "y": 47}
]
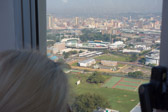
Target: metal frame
[
  {"x": 30, "y": 26},
  {"x": 164, "y": 36}
]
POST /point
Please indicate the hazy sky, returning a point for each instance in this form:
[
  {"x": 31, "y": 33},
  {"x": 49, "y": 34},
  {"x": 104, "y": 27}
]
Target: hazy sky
[{"x": 101, "y": 6}]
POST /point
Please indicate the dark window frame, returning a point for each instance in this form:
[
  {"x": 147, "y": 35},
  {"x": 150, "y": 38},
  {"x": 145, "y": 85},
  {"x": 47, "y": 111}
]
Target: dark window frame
[{"x": 30, "y": 24}]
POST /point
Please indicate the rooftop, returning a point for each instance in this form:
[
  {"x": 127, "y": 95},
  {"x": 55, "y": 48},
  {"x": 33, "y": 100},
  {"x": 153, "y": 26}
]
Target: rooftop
[{"x": 54, "y": 57}]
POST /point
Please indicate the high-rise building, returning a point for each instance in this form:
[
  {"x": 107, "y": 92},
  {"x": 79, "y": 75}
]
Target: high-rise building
[
  {"x": 130, "y": 18},
  {"x": 50, "y": 22},
  {"x": 76, "y": 21}
]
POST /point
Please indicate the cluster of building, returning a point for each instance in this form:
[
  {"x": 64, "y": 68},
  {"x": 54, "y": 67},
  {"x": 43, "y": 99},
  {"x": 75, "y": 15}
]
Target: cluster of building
[
  {"x": 60, "y": 48},
  {"x": 131, "y": 51},
  {"x": 88, "y": 54},
  {"x": 96, "y": 44},
  {"x": 117, "y": 45},
  {"x": 133, "y": 35},
  {"x": 142, "y": 47},
  {"x": 104, "y": 64},
  {"x": 153, "y": 57},
  {"x": 101, "y": 23}
]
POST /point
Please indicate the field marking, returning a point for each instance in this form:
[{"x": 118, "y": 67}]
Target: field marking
[
  {"x": 131, "y": 82},
  {"x": 118, "y": 82},
  {"x": 127, "y": 85},
  {"x": 106, "y": 81},
  {"x": 138, "y": 85}
]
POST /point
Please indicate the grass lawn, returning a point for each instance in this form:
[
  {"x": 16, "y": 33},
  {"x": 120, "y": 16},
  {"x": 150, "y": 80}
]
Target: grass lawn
[
  {"x": 120, "y": 100},
  {"x": 126, "y": 87},
  {"x": 113, "y": 57},
  {"x": 121, "y": 65},
  {"x": 129, "y": 83},
  {"x": 75, "y": 64},
  {"x": 132, "y": 80},
  {"x": 111, "y": 82}
]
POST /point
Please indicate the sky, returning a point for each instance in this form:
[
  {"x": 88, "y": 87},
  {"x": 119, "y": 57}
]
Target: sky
[{"x": 103, "y": 6}]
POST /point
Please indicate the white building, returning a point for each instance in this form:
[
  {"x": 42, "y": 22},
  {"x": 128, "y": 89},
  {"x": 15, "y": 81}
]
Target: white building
[
  {"x": 87, "y": 63},
  {"x": 90, "y": 54},
  {"x": 153, "y": 58},
  {"x": 131, "y": 51},
  {"x": 58, "y": 47},
  {"x": 142, "y": 47},
  {"x": 117, "y": 45}
]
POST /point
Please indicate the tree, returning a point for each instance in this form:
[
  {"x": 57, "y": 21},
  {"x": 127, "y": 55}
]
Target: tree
[
  {"x": 137, "y": 74},
  {"x": 73, "y": 52},
  {"x": 66, "y": 55},
  {"x": 142, "y": 60},
  {"x": 151, "y": 65},
  {"x": 50, "y": 43},
  {"x": 53, "y": 37},
  {"x": 80, "y": 51},
  {"x": 145, "y": 52},
  {"x": 106, "y": 51},
  {"x": 133, "y": 57},
  {"x": 96, "y": 78},
  {"x": 89, "y": 102}
]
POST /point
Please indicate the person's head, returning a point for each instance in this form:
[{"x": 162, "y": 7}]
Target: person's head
[{"x": 30, "y": 82}]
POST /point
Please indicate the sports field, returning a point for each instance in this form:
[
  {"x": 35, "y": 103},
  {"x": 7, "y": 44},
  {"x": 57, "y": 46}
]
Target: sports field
[
  {"x": 113, "y": 57},
  {"x": 119, "y": 99},
  {"x": 124, "y": 83}
]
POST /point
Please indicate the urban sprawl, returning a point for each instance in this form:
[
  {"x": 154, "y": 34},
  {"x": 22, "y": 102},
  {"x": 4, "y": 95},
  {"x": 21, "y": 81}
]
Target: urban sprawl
[{"x": 119, "y": 46}]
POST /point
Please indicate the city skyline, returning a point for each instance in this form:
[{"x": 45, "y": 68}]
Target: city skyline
[{"x": 100, "y": 7}]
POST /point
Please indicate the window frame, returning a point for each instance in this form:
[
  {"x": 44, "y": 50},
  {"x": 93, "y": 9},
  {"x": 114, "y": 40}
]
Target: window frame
[
  {"x": 164, "y": 36},
  {"x": 30, "y": 24}
]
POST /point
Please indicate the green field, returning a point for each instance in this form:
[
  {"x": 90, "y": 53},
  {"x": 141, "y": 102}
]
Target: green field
[
  {"x": 128, "y": 83},
  {"x": 113, "y": 57},
  {"x": 75, "y": 64},
  {"x": 124, "y": 83},
  {"x": 125, "y": 87},
  {"x": 121, "y": 100},
  {"x": 111, "y": 82},
  {"x": 132, "y": 80}
]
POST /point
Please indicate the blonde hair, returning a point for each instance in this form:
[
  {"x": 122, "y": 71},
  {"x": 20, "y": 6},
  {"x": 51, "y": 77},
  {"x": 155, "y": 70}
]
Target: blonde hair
[{"x": 30, "y": 82}]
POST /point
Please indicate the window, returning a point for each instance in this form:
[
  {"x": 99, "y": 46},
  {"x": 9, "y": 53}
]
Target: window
[{"x": 108, "y": 47}]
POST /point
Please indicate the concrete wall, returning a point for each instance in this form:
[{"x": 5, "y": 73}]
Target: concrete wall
[{"x": 7, "y": 31}]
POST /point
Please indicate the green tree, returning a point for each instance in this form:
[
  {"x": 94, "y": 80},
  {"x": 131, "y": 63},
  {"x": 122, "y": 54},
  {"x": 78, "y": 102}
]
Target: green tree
[
  {"x": 145, "y": 52},
  {"x": 142, "y": 60},
  {"x": 96, "y": 78},
  {"x": 50, "y": 43},
  {"x": 151, "y": 65},
  {"x": 137, "y": 74},
  {"x": 89, "y": 102},
  {"x": 80, "y": 51},
  {"x": 133, "y": 57},
  {"x": 106, "y": 51},
  {"x": 66, "y": 55}
]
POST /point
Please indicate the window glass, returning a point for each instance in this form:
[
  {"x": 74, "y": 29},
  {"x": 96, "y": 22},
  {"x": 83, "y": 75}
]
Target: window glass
[{"x": 108, "y": 47}]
